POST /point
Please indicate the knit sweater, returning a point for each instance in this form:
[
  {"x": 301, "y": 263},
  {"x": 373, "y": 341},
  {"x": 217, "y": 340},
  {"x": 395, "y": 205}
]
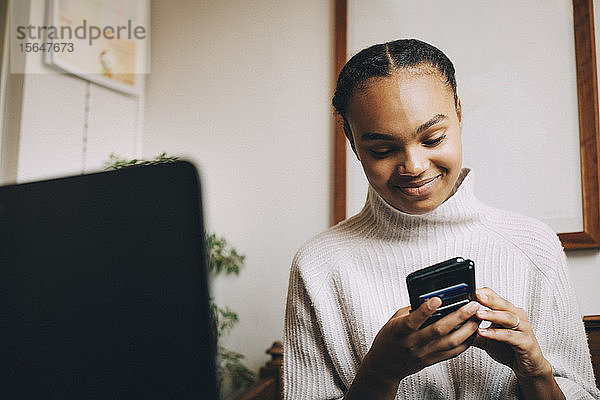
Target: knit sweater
[{"x": 346, "y": 283}]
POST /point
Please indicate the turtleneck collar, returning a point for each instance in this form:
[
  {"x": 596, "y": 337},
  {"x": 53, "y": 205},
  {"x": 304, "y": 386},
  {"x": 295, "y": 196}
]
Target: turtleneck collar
[{"x": 461, "y": 206}]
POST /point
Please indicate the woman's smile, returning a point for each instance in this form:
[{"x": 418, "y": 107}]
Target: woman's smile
[{"x": 421, "y": 188}]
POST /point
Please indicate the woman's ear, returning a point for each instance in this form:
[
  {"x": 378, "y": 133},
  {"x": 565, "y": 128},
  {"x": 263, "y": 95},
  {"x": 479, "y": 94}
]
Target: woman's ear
[{"x": 459, "y": 112}]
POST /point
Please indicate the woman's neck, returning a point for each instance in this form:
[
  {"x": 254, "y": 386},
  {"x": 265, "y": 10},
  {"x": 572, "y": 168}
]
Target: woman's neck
[{"x": 461, "y": 206}]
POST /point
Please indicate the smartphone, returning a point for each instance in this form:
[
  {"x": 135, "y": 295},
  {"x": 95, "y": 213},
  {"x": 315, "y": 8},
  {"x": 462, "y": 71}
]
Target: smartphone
[{"x": 453, "y": 281}]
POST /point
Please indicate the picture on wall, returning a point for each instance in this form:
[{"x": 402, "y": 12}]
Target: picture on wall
[{"x": 103, "y": 41}]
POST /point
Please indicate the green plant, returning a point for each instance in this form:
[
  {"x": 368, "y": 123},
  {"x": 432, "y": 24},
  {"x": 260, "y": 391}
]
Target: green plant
[
  {"x": 222, "y": 259},
  {"x": 116, "y": 162}
]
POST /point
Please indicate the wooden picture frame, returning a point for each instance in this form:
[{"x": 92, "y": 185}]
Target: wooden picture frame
[{"x": 589, "y": 137}]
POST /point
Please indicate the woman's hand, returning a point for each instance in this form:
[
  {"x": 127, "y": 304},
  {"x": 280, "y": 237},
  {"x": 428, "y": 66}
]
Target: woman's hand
[
  {"x": 510, "y": 340},
  {"x": 401, "y": 348}
]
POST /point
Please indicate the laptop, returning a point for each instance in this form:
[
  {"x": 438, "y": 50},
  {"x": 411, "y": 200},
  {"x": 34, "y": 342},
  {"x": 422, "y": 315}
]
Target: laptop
[{"x": 103, "y": 287}]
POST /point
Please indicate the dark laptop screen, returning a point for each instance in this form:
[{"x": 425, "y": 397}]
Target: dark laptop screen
[{"x": 103, "y": 290}]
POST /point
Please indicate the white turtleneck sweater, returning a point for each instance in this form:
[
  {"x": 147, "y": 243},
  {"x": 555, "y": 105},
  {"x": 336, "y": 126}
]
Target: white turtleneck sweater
[{"x": 346, "y": 283}]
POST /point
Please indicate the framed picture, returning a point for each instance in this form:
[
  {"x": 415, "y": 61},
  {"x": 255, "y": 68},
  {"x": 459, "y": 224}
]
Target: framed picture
[
  {"x": 103, "y": 41},
  {"x": 527, "y": 79}
]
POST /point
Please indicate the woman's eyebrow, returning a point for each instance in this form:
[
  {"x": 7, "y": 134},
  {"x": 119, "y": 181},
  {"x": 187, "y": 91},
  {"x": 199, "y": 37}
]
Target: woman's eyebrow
[
  {"x": 377, "y": 136},
  {"x": 384, "y": 136},
  {"x": 430, "y": 123}
]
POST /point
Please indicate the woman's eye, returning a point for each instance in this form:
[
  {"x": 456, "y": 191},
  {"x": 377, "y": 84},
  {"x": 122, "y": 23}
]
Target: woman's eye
[
  {"x": 434, "y": 142},
  {"x": 381, "y": 153}
]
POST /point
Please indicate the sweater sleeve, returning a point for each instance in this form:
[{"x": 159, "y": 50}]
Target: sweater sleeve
[
  {"x": 562, "y": 335},
  {"x": 308, "y": 372}
]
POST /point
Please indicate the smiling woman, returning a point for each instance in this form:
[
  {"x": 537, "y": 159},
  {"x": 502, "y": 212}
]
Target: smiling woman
[
  {"x": 347, "y": 333},
  {"x": 407, "y": 139}
]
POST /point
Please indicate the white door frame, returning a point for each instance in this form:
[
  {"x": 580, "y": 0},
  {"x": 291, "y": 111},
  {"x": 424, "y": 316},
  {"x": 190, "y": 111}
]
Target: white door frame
[{"x": 11, "y": 99}]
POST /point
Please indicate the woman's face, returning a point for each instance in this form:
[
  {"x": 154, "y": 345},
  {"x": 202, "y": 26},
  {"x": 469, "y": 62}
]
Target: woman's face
[{"x": 407, "y": 135}]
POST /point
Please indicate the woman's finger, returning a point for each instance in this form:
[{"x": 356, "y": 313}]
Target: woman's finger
[
  {"x": 446, "y": 355},
  {"x": 504, "y": 319},
  {"x": 415, "y": 319},
  {"x": 493, "y": 300},
  {"x": 458, "y": 337},
  {"x": 512, "y": 337},
  {"x": 448, "y": 324},
  {"x": 480, "y": 342},
  {"x": 401, "y": 312}
]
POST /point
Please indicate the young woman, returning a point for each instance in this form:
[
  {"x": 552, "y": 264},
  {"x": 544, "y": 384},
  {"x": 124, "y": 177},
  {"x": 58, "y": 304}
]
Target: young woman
[{"x": 346, "y": 331}]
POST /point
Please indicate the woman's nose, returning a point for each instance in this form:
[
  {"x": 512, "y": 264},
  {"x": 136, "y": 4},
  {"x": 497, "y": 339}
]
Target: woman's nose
[{"x": 414, "y": 162}]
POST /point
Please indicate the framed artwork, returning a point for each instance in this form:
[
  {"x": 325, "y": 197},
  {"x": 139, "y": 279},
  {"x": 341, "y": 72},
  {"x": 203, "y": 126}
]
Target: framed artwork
[
  {"x": 103, "y": 41},
  {"x": 527, "y": 78}
]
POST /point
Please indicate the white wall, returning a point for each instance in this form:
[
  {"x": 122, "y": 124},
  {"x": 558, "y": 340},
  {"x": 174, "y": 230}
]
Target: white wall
[{"x": 243, "y": 90}]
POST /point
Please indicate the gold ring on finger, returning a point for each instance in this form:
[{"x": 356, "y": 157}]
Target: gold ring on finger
[{"x": 516, "y": 325}]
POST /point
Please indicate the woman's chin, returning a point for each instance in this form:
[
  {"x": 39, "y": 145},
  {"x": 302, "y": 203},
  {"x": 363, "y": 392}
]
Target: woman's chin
[
  {"x": 418, "y": 210},
  {"x": 415, "y": 204},
  {"x": 416, "y": 207}
]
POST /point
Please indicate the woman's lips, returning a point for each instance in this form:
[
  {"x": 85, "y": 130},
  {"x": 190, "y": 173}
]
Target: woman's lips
[{"x": 420, "y": 188}]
